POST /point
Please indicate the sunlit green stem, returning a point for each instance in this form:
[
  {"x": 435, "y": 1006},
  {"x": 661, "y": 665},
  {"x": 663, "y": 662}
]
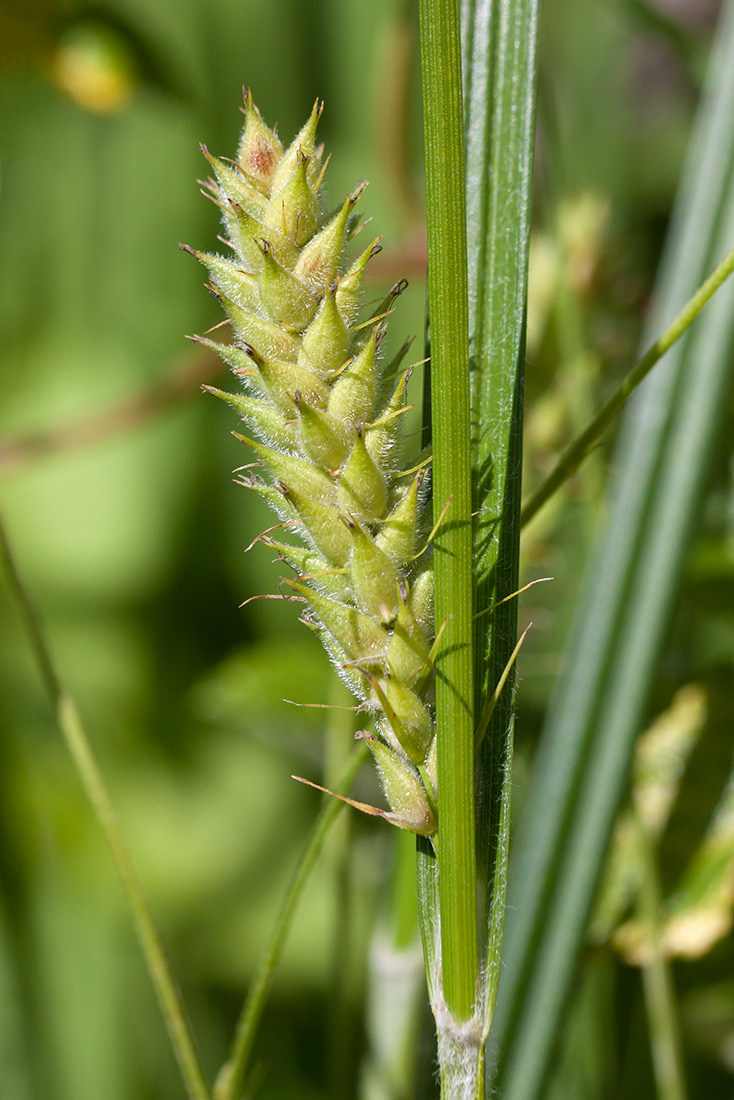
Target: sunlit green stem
[
  {"x": 95, "y": 788},
  {"x": 231, "y": 1077},
  {"x": 447, "y": 285},
  {"x": 657, "y": 981},
  {"x": 574, "y": 455}
]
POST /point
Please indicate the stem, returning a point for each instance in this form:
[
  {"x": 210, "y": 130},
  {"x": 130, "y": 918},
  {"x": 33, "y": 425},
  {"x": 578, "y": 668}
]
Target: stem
[
  {"x": 94, "y": 786},
  {"x": 447, "y": 285},
  {"x": 574, "y": 455},
  {"x": 657, "y": 981},
  {"x": 182, "y": 382},
  {"x": 231, "y": 1076}
]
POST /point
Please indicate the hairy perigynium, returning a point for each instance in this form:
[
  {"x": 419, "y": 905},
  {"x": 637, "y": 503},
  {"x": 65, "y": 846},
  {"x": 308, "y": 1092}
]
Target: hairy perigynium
[{"x": 326, "y": 408}]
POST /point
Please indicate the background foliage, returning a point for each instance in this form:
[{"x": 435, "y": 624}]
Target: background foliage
[{"x": 133, "y": 544}]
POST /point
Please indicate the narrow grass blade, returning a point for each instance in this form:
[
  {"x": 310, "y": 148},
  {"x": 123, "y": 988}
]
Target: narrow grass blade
[
  {"x": 500, "y": 78},
  {"x": 428, "y": 911},
  {"x": 666, "y": 440},
  {"x": 232, "y": 1075},
  {"x": 662, "y": 1019},
  {"x": 15, "y": 1058},
  {"x": 577, "y": 451},
  {"x": 447, "y": 284},
  {"x": 96, "y": 790}
]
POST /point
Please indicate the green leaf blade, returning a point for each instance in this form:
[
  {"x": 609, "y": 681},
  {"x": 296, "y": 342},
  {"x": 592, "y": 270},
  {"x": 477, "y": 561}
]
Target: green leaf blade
[
  {"x": 623, "y": 610},
  {"x": 500, "y": 73},
  {"x": 447, "y": 282}
]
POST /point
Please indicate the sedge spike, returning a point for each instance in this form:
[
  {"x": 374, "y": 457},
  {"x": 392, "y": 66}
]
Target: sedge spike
[{"x": 324, "y": 406}]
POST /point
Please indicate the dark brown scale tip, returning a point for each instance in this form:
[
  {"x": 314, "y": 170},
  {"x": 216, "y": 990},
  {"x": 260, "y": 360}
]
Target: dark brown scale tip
[
  {"x": 189, "y": 249},
  {"x": 254, "y": 355},
  {"x": 358, "y": 191},
  {"x": 408, "y": 375},
  {"x": 248, "y": 102}
]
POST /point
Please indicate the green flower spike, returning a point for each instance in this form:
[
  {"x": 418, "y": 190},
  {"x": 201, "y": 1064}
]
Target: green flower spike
[
  {"x": 353, "y": 394},
  {"x": 362, "y": 488},
  {"x": 323, "y": 437},
  {"x": 285, "y": 298},
  {"x": 295, "y": 213},
  {"x": 409, "y": 650},
  {"x": 326, "y": 412},
  {"x": 259, "y": 150},
  {"x": 322, "y": 526},
  {"x": 403, "y": 788}
]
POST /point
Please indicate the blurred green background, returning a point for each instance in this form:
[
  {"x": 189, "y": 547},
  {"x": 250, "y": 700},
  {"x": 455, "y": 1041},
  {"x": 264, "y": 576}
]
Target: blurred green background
[{"x": 132, "y": 541}]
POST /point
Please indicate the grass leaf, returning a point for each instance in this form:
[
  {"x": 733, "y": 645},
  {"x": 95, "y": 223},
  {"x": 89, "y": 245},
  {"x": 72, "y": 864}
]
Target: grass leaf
[
  {"x": 500, "y": 77},
  {"x": 625, "y": 605}
]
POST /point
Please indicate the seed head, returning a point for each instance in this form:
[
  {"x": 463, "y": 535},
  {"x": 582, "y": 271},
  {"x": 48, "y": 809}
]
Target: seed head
[{"x": 327, "y": 415}]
